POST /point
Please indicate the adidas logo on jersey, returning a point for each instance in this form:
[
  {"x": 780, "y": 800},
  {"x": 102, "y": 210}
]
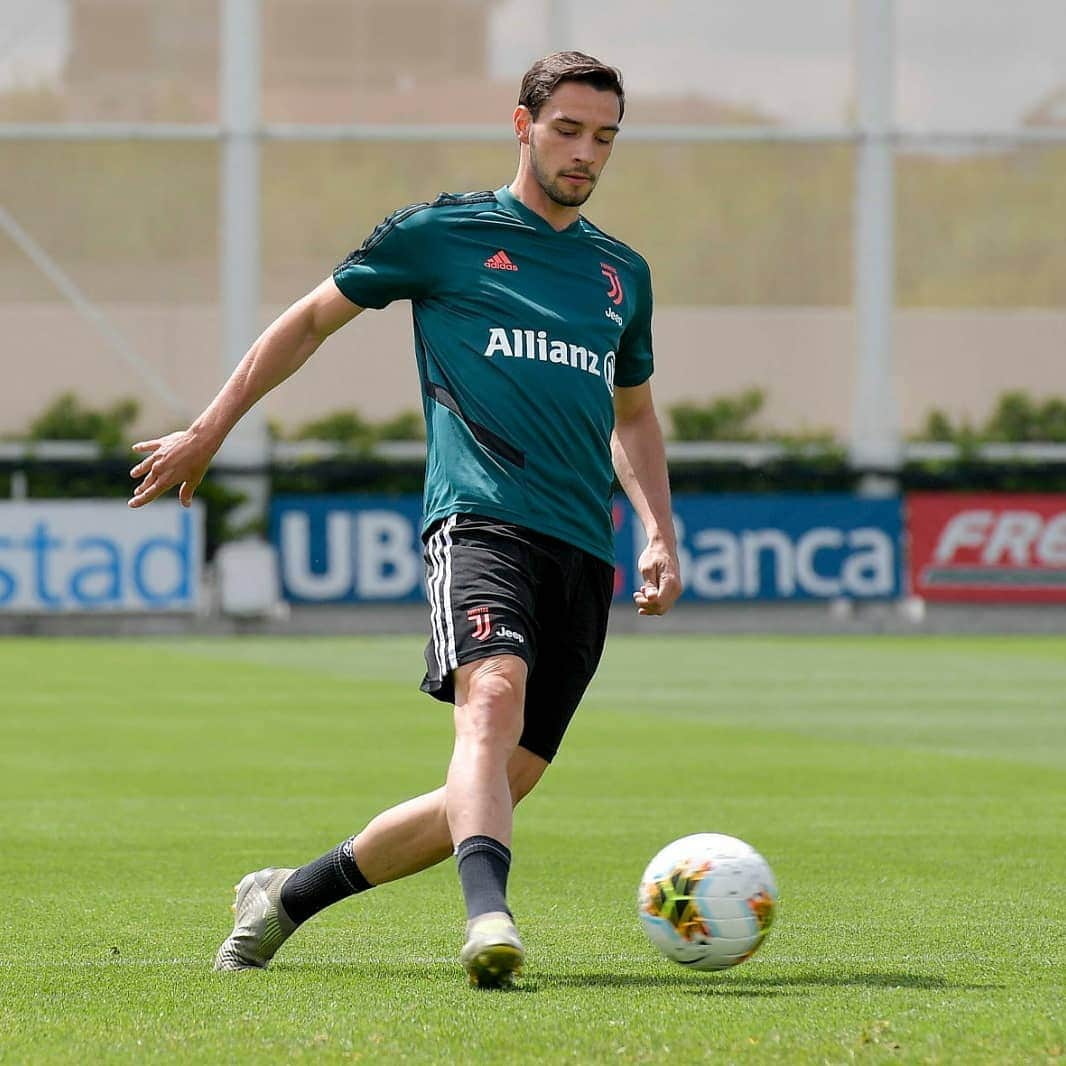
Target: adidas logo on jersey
[{"x": 500, "y": 261}]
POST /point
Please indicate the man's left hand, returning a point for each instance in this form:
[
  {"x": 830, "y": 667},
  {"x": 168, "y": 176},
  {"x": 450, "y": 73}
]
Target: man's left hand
[{"x": 662, "y": 580}]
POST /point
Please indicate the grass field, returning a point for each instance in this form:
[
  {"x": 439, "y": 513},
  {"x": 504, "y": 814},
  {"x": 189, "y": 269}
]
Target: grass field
[{"x": 909, "y": 794}]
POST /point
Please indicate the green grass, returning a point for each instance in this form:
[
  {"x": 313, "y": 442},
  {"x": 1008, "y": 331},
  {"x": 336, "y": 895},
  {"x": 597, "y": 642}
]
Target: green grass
[{"x": 909, "y": 794}]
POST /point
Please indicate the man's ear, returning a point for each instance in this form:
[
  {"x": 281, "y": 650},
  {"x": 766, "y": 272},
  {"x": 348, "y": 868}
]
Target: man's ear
[{"x": 523, "y": 119}]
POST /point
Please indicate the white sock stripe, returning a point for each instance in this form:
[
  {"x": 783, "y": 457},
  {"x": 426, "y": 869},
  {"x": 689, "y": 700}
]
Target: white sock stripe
[
  {"x": 338, "y": 867},
  {"x": 484, "y": 844},
  {"x": 496, "y": 850},
  {"x": 452, "y": 659}
]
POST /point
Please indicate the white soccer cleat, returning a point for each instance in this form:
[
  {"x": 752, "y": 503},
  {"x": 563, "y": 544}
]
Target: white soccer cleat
[
  {"x": 493, "y": 954},
  {"x": 261, "y": 924}
]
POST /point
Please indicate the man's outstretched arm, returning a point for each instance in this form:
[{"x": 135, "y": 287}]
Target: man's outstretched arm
[
  {"x": 287, "y": 343},
  {"x": 640, "y": 463}
]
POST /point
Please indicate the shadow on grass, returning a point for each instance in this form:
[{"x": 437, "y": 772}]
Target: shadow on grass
[
  {"x": 733, "y": 984},
  {"x": 755, "y": 985},
  {"x": 430, "y": 974}
]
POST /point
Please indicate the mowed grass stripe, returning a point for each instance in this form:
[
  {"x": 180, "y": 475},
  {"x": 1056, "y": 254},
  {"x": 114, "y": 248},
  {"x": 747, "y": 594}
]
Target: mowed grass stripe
[{"x": 922, "y": 892}]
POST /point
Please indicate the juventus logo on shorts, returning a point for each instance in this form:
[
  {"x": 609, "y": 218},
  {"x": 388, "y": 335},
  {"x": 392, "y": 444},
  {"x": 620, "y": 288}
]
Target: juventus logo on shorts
[{"x": 482, "y": 622}]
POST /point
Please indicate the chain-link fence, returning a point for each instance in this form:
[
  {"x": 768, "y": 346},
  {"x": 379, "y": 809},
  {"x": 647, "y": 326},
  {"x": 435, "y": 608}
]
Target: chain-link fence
[{"x": 735, "y": 176}]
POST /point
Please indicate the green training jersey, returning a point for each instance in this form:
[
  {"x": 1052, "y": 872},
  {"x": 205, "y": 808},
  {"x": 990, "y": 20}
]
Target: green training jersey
[{"x": 522, "y": 334}]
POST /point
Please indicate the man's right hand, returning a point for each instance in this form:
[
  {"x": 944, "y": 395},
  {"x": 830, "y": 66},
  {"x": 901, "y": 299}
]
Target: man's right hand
[
  {"x": 178, "y": 458},
  {"x": 289, "y": 341}
]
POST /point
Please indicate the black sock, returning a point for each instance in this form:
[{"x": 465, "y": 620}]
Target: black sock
[
  {"x": 483, "y": 867},
  {"x": 334, "y": 876}
]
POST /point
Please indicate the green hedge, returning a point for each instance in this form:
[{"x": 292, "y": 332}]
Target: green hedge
[{"x": 1016, "y": 418}]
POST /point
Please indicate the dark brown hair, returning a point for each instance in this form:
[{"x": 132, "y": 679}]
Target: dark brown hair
[{"x": 547, "y": 74}]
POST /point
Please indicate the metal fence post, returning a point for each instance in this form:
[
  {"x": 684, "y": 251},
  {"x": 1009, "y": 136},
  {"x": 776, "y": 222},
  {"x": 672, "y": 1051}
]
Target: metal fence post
[
  {"x": 875, "y": 437},
  {"x": 239, "y": 252},
  {"x": 558, "y": 26}
]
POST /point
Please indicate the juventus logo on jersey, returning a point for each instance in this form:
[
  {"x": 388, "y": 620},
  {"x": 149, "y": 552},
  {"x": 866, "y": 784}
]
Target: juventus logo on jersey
[
  {"x": 482, "y": 622},
  {"x": 614, "y": 291}
]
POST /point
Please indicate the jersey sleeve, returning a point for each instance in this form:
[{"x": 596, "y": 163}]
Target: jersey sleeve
[
  {"x": 635, "y": 361},
  {"x": 394, "y": 263}
]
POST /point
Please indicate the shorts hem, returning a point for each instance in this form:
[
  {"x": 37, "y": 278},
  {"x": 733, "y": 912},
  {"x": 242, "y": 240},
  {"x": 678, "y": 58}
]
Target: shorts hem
[
  {"x": 443, "y": 688},
  {"x": 540, "y": 754}
]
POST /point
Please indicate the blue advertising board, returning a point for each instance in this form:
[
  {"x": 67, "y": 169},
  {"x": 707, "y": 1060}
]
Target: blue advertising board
[
  {"x": 348, "y": 549},
  {"x": 366, "y": 549},
  {"x": 62, "y": 556},
  {"x": 779, "y": 547}
]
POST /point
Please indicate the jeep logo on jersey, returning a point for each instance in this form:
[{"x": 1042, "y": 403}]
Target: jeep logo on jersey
[
  {"x": 614, "y": 288},
  {"x": 536, "y": 344}
]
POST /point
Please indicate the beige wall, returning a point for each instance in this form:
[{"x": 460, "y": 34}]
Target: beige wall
[{"x": 804, "y": 358}]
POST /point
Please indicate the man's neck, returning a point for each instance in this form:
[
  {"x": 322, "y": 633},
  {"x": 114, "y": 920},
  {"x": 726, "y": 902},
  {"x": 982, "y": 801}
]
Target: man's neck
[{"x": 526, "y": 190}]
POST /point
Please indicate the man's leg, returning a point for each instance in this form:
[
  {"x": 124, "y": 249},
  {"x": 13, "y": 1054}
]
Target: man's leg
[
  {"x": 400, "y": 841},
  {"x": 489, "y": 701},
  {"x": 489, "y": 712},
  {"x": 414, "y": 835}
]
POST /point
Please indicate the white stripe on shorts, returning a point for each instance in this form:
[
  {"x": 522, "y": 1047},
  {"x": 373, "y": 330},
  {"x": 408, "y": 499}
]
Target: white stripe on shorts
[
  {"x": 433, "y": 582},
  {"x": 446, "y": 529},
  {"x": 439, "y": 589}
]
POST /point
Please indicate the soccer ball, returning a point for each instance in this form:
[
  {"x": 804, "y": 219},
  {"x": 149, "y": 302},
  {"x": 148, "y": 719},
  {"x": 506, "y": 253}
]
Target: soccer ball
[{"x": 707, "y": 901}]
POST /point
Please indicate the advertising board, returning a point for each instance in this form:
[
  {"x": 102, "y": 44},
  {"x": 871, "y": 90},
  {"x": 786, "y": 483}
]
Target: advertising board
[
  {"x": 360, "y": 549},
  {"x": 99, "y": 555},
  {"x": 782, "y": 547},
  {"x": 988, "y": 548},
  {"x": 348, "y": 549}
]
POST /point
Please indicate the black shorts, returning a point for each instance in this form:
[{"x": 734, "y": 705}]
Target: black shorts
[{"x": 499, "y": 589}]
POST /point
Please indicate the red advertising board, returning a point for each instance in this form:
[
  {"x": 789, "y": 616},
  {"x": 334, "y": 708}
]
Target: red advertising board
[{"x": 987, "y": 548}]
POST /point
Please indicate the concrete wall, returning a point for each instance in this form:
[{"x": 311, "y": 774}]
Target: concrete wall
[{"x": 803, "y": 357}]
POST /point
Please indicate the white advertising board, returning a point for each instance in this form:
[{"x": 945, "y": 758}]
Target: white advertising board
[{"x": 99, "y": 555}]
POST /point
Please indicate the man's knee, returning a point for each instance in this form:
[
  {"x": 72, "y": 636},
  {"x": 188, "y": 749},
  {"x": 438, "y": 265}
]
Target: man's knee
[{"x": 490, "y": 699}]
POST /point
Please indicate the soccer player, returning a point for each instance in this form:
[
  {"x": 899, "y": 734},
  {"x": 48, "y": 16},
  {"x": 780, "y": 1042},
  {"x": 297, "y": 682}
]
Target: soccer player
[{"x": 533, "y": 340}]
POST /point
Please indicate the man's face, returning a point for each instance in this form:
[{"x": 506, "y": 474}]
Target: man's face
[{"x": 571, "y": 139}]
